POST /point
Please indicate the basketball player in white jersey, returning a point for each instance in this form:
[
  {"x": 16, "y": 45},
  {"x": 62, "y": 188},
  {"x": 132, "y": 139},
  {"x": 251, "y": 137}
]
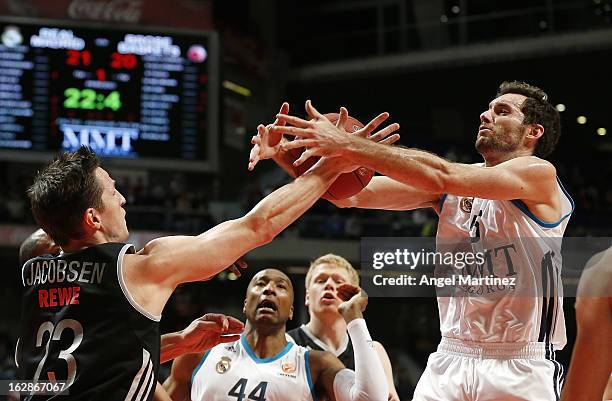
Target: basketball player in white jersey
[
  {"x": 498, "y": 345},
  {"x": 326, "y": 328},
  {"x": 590, "y": 373},
  {"x": 263, "y": 365}
]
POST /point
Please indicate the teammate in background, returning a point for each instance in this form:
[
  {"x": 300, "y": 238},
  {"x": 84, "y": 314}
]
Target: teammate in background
[
  {"x": 38, "y": 243},
  {"x": 488, "y": 341},
  {"x": 326, "y": 329},
  {"x": 264, "y": 366},
  {"x": 90, "y": 315},
  {"x": 201, "y": 335},
  {"x": 590, "y": 373}
]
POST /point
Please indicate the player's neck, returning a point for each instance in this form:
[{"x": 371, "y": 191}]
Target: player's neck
[
  {"x": 330, "y": 329},
  {"x": 265, "y": 344},
  {"x": 75, "y": 246}
]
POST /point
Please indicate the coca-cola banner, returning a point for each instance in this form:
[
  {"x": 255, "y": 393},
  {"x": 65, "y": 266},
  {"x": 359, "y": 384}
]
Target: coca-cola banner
[{"x": 196, "y": 14}]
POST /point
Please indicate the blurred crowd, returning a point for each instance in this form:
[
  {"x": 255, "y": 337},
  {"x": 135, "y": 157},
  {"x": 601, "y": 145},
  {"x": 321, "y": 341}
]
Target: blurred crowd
[{"x": 184, "y": 204}]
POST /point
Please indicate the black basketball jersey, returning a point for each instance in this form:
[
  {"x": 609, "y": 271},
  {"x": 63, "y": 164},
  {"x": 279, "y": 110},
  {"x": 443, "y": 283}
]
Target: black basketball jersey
[
  {"x": 306, "y": 339},
  {"x": 80, "y": 325}
]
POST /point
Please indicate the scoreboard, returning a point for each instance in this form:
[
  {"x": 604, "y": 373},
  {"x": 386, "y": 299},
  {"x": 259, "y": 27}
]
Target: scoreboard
[{"x": 136, "y": 97}]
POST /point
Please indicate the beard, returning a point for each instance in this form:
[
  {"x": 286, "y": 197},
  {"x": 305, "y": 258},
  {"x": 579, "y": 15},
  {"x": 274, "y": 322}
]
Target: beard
[{"x": 499, "y": 142}]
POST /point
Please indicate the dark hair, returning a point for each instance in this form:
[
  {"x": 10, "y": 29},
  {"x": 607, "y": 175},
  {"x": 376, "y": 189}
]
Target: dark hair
[
  {"x": 62, "y": 191},
  {"x": 537, "y": 110}
]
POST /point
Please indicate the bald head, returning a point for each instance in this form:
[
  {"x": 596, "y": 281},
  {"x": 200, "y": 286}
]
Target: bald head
[
  {"x": 269, "y": 300},
  {"x": 271, "y": 273},
  {"x": 38, "y": 243}
]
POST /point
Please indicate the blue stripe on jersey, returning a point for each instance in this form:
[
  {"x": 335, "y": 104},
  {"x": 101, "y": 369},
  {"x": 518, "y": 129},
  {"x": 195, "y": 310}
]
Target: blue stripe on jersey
[
  {"x": 308, "y": 376},
  {"x": 257, "y": 359},
  {"x": 442, "y": 199},
  {"x": 523, "y": 208},
  {"x": 198, "y": 368}
]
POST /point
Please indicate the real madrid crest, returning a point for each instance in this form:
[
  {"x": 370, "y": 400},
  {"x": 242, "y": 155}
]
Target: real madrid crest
[
  {"x": 223, "y": 365},
  {"x": 466, "y": 204}
]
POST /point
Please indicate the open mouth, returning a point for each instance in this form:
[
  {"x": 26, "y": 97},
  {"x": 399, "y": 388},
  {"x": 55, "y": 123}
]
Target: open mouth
[
  {"x": 328, "y": 297},
  {"x": 267, "y": 306}
]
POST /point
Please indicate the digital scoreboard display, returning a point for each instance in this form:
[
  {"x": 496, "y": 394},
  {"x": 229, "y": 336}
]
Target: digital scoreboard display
[{"x": 137, "y": 97}]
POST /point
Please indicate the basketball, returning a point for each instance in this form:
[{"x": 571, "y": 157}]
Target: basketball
[{"x": 347, "y": 184}]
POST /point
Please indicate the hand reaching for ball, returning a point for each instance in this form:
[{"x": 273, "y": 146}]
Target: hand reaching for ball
[
  {"x": 267, "y": 144},
  {"x": 323, "y": 138}
]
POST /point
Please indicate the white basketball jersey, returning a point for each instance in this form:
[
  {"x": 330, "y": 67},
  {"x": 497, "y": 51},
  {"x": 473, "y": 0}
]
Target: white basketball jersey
[
  {"x": 232, "y": 372},
  {"x": 520, "y": 246}
]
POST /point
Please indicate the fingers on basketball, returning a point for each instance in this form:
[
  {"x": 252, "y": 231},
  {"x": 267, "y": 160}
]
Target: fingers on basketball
[{"x": 347, "y": 184}]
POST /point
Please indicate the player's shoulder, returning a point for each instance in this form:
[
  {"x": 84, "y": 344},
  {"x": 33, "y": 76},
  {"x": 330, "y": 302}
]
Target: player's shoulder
[
  {"x": 295, "y": 336},
  {"x": 596, "y": 278},
  {"x": 532, "y": 163}
]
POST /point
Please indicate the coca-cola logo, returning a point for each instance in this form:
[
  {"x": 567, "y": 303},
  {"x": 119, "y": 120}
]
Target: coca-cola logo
[{"x": 104, "y": 10}]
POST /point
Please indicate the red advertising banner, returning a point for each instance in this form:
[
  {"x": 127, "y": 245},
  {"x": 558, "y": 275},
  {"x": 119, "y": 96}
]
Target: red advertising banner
[{"x": 194, "y": 14}]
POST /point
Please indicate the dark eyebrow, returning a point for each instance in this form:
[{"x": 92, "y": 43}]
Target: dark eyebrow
[{"x": 506, "y": 104}]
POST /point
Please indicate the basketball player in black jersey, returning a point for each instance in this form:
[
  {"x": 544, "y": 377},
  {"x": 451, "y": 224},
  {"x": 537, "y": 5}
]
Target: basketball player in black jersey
[
  {"x": 326, "y": 329},
  {"x": 90, "y": 316},
  {"x": 201, "y": 335}
]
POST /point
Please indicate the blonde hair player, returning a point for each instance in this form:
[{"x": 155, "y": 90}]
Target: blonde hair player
[
  {"x": 488, "y": 341},
  {"x": 263, "y": 365},
  {"x": 326, "y": 329},
  {"x": 590, "y": 373}
]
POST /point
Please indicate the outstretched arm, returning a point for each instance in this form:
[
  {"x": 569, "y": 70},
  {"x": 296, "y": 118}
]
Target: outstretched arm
[
  {"x": 201, "y": 335},
  {"x": 165, "y": 262},
  {"x": 526, "y": 178},
  {"x": 152, "y": 275},
  {"x": 387, "y": 194}
]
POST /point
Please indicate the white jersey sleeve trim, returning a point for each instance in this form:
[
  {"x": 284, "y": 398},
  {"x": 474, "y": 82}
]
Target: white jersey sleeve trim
[
  {"x": 523, "y": 208},
  {"x": 128, "y": 296}
]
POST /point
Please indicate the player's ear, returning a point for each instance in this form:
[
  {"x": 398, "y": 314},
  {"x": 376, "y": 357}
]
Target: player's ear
[
  {"x": 291, "y": 313},
  {"x": 91, "y": 220},
  {"x": 307, "y": 299},
  {"x": 244, "y": 307},
  {"x": 535, "y": 131}
]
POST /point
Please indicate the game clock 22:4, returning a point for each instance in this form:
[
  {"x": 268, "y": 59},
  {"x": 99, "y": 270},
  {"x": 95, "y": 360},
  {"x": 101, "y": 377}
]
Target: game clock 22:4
[{"x": 89, "y": 99}]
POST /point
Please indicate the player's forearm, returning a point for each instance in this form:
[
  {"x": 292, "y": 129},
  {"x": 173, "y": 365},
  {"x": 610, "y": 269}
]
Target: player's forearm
[
  {"x": 283, "y": 206},
  {"x": 370, "y": 383},
  {"x": 171, "y": 347},
  {"x": 417, "y": 168}
]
